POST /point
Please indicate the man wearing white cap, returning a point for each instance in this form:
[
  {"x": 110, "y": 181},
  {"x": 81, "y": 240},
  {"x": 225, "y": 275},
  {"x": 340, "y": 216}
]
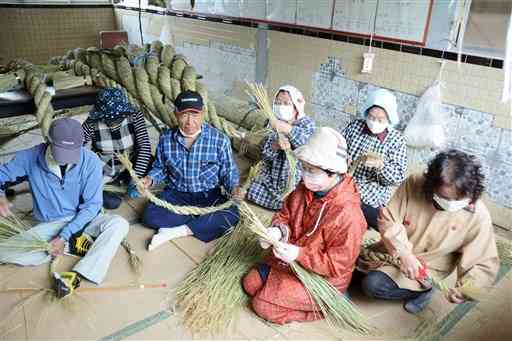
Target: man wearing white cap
[
  {"x": 382, "y": 150},
  {"x": 292, "y": 123},
  {"x": 66, "y": 184},
  {"x": 321, "y": 226}
]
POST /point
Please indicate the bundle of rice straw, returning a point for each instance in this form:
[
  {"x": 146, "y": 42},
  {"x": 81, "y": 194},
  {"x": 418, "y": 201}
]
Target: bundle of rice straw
[
  {"x": 15, "y": 237},
  {"x": 259, "y": 94},
  {"x": 338, "y": 311},
  {"x": 211, "y": 295},
  {"x": 369, "y": 156}
]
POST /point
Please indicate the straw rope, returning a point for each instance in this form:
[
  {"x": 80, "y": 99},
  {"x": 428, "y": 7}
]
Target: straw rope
[
  {"x": 151, "y": 77},
  {"x": 183, "y": 210},
  {"x": 466, "y": 288}
]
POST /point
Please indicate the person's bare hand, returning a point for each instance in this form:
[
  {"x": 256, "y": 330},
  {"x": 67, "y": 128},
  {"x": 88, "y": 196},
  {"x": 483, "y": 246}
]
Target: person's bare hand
[
  {"x": 4, "y": 207},
  {"x": 410, "y": 266},
  {"x": 147, "y": 182},
  {"x": 57, "y": 246},
  {"x": 282, "y": 126},
  {"x": 371, "y": 161},
  {"x": 454, "y": 296},
  {"x": 238, "y": 193}
]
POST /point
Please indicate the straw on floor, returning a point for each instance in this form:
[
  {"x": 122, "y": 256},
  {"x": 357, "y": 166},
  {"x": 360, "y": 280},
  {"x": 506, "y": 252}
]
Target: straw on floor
[{"x": 211, "y": 296}]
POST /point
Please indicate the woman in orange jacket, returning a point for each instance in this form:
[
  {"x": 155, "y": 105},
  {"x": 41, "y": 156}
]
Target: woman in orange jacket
[{"x": 321, "y": 226}]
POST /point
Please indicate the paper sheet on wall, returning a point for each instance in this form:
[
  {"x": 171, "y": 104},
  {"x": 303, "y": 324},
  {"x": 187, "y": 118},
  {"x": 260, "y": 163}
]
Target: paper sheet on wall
[
  {"x": 398, "y": 19},
  {"x": 229, "y": 8},
  {"x": 314, "y": 13},
  {"x": 179, "y": 5},
  {"x": 254, "y": 9},
  {"x": 282, "y": 11}
]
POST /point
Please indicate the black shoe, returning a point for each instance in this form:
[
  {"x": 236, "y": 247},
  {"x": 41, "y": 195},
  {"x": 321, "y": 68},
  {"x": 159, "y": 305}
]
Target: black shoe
[
  {"x": 9, "y": 192},
  {"x": 111, "y": 201},
  {"x": 65, "y": 283}
]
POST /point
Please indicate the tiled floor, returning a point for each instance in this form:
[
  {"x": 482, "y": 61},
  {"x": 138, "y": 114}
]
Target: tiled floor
[{"x": 144, "y": 313}]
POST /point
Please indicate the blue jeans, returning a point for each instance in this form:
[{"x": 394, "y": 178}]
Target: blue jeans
[
  {"x": 205, "y": 227},
  {"x": 378, "y": 284}
]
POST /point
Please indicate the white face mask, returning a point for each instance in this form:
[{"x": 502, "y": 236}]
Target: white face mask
[
  {"x": 376, "y": 127},
  {"x": 315, "y": 181},
  {"x": 284, "y": 112},
  {"x": 451, "y": 205},
  {"x": 190, "y": 135}
]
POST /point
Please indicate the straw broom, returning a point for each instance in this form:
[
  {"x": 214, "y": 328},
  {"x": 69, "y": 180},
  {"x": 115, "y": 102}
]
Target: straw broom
[
  {"x": 135, "y": 261},
  {"x": 338, "y": 311},
  {"x": 260, "y": 96}
]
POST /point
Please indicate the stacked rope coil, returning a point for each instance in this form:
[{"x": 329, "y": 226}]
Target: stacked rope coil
[{"x": 151, "y": 77}]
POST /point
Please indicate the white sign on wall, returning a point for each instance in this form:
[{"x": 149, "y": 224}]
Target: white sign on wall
[{"x": 397, "y": 19}]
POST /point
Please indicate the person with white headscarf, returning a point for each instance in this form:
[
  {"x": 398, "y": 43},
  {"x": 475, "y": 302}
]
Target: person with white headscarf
[
  {"x": 321, "y": 227},
  {"x": 292, "y": 123},
  {"x": 382, "y": 150}
]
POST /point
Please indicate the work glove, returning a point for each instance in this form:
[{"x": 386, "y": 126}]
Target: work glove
[
  {"x": 275, "y": 233},
  {"x": 286, "y": 252},
  {"x": 132, "y": 191}
]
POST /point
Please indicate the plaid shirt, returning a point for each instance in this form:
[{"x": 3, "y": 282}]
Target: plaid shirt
[
  {"x": 267, "y": 188},
  {"x": 129, "y": 136},
  {"x": 208, "y": 164},
  {"x": 376, "y": 185}
]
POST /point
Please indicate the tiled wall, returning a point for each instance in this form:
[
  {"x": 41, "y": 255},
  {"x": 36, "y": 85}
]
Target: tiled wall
[
  {"x": 328, "y": 72},
  {"x": 36, "y": 34}
]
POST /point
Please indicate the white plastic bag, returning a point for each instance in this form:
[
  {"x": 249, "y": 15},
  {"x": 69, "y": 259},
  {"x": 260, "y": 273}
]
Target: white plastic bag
[{"x": 426, "y": 128}]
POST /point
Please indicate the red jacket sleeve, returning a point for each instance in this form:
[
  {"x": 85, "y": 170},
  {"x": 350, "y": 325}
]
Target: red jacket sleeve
[{"x": 343, "y": 234}]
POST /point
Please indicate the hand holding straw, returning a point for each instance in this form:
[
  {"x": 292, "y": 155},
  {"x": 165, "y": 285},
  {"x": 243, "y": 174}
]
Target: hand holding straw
[
  {"x": 337, "y": 309},
  {"x": 183, "y": 210}
]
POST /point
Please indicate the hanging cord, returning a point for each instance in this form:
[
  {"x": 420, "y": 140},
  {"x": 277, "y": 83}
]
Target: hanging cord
[
  {"x": 140, "y": 24},
  {"x": 463, "y": 20},
  {"x": 318, "y": 220},
  {"x": 374, "y": 25}
]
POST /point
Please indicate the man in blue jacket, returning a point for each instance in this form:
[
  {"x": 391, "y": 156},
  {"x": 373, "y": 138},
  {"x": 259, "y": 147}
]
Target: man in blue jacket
[{"x": 65, "y": 181}]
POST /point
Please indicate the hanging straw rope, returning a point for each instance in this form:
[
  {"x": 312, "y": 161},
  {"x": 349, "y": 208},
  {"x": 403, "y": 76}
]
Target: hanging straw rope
[
  {"x": 338, "y": 311},
  {"x": 183, "y": 210}
]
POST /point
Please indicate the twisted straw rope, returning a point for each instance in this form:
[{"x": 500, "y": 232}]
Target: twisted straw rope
[
  {"x": 183, "y": 210},
  {"x": 36, "y": 86},
  {"x": 154, "y": 83}
]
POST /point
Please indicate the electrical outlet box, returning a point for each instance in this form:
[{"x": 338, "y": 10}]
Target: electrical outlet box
[{"x": 368, "y": 62}]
